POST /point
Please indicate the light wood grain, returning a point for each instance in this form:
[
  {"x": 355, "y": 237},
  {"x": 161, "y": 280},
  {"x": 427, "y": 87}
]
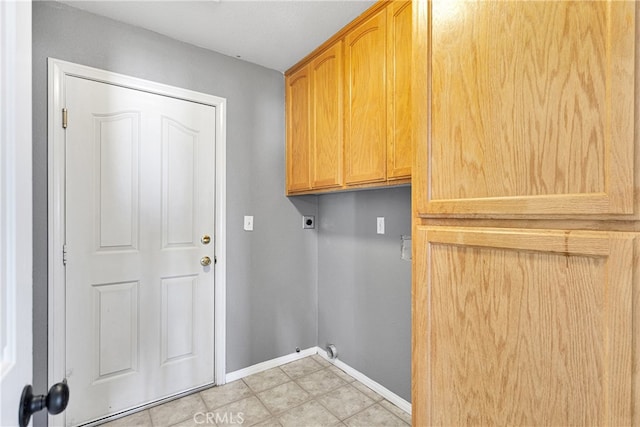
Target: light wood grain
[
  {"x": 366, "y": 103},
  {"x": 298, "y": 118},
  {"x": 547, "y": 224},
  {"x": 327, "y": 102},
  {"x": 420, "y": 326},
  {"x": 400, "y": 182},
  {"x": 399, "y": 56},
  {"x": 635, "y": 376},
  {"x": 525, "y": 337},
  {"x": 532, "y": 108},
  {"x": 421, "y": 106},
  {"x": 524, "y": 130},
  {"x": 361, "y": 105},
  {"x": 421, "y": 345}
]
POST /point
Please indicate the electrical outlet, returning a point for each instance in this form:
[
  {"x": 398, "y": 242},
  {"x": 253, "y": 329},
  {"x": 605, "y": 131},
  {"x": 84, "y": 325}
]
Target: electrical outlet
[
  {"x": 380, "y": 226},
  {"x": 308, "y": 221},
  {"x": 248, "y": 223}
]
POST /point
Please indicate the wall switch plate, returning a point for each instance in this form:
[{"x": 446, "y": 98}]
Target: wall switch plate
[
  {"x": 308, "y": 221},
  {"x": 380, "y": 226},
  {"x": 248, "y": 223}
]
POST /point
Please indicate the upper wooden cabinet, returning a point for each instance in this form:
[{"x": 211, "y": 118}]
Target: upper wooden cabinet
[
  {"x": 314, "y": 123},
  {"x": 326, "y": 120},
  {"x": 298, "y": 101},
  {"x": 358, "y": 107},
  {"x": 531, "y": 108},
  {"x": 366, "y": 103},
  {"x": 399, "y": 124}
]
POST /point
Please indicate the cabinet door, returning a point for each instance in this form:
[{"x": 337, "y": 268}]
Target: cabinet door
[
  {"x": 327, "y": 124},
  {"x": 525, "y": 327},
  {"x": 366, "y": 104},
  {"x": 532, "y": 108},
  {"x": 298, "y": 130},
  {"x": 399, "y": 57}
]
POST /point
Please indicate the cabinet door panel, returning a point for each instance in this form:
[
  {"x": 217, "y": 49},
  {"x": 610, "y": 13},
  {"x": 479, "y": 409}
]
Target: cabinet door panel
[
  {"x": 366, "y": 104},
  {"x": 399, "y": 127},
  {"x": 532, "y": 108},
  {"x": 524, "y": 327},
  {"x": 298, "y": 130},
  {"x": 327, "y": 95}
]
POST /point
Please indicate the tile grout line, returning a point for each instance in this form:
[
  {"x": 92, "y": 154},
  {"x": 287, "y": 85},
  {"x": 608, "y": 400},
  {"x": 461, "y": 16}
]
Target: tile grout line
[
  {"x": 342, "y": 420},
  {"x": 382, "y": 407},
  {"x": 289, "y": 378},
  {"x": 310, "y": 398}
]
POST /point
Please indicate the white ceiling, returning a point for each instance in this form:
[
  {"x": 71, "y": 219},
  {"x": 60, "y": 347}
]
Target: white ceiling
[{"x": 274, "y": 34}]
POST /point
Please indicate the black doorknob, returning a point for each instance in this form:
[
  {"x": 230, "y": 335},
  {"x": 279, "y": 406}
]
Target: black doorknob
[{"x": 55, "y": 401}]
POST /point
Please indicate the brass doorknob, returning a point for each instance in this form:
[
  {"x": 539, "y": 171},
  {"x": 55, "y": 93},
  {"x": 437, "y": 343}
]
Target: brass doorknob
[{"x": 205, "y": 260}]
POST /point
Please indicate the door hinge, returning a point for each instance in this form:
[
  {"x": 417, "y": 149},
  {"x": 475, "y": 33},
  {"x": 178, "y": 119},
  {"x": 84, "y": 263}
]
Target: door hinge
[
  {"x": 64, "y": 254},
  {"x": 65, "y": 118}
]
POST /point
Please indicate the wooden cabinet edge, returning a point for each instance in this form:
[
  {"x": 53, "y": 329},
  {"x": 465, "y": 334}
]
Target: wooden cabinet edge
[
  {"x": 573, "y": 217},
  {"x": 404, "y": 182},
  {"x": 532, "y": 223}
]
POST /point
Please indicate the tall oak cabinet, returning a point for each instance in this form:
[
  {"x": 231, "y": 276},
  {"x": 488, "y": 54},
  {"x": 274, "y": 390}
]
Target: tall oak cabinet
[{"x": 526, "y": 201}]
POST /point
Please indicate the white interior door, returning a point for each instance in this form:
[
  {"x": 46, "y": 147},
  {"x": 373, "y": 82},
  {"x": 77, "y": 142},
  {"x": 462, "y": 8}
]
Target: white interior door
[
  {"x": 15, "y": 207},
  {"x": 139, "y": 201}
]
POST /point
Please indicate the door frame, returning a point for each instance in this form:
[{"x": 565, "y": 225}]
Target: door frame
[
  {"x": 16, "y": 225},
  {"x": 57, "y": 71}
]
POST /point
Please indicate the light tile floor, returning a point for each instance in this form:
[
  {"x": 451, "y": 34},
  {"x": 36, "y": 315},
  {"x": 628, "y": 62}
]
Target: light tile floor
[{"x": 306, "y": 393}]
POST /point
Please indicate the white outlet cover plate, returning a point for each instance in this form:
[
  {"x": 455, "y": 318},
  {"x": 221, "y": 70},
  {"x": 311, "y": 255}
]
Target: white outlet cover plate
[
  {"x": 380, "y": 226},
  {"x": 248, "y": 222}
]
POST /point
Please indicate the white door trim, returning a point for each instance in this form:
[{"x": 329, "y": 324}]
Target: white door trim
[
  {"x": 16, "y": 225},
  {"x": 56, "y": 176}
]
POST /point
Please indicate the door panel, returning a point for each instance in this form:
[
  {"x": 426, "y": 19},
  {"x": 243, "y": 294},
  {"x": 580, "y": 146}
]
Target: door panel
[
  {"x": 298, "y": 94},
  {"x": 400, "y": 55},
  {"x": 524, "y": 327},
  {"x": 327, "y": 99},
  {"x": 532, "y": 108},
  {"x": 139, "y": 194},
  {"x": 179, "y": 175},
  {"x": 116, "y": 171},
  {"x": 366, "y": 103},
  {"x": 116, "y": 328},
  {"x": 178, "y": 306}
]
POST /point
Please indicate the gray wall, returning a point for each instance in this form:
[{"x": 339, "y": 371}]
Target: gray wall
[
  {"x": 272, "y": 271},
  {"x": 364, "y": 287}
]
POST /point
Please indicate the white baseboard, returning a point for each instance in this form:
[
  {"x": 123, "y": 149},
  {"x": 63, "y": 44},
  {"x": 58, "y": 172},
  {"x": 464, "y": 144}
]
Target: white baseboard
[
  {"x": 278, "y": 361},
  {"x": 377, "y": 387}
]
